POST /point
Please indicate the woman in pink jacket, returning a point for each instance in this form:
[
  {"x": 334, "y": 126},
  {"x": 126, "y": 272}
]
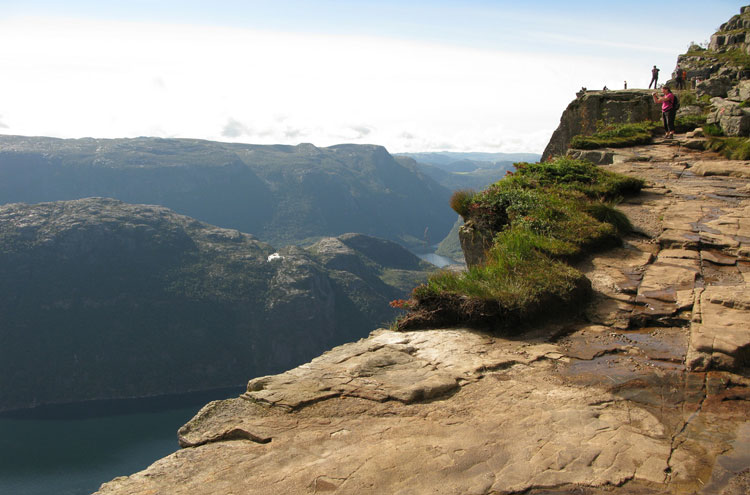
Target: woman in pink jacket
[{"x": 668, "y": 110}]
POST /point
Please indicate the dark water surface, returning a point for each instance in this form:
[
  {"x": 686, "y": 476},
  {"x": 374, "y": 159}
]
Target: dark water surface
[{"x": 72, "y": 450}]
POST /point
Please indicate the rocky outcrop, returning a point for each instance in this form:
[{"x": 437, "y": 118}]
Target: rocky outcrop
[
  {"x": 732, "y": 34},
  {"x": 590, "y": 108},
  {"x": 104, "y": 299},
  {"x": 649, "y": 393}
]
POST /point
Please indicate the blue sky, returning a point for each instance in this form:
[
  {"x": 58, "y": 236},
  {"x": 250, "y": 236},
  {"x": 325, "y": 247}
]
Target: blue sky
[{"x": 413, "y": 76}]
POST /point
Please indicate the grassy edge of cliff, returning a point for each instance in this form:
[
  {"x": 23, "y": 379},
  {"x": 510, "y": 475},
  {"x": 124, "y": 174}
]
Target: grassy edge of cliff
[{"x": 540, "y": 218}]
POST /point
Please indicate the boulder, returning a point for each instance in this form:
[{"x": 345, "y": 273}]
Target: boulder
[
  {"x": 714, "y": 86},
  {"x": 597, "y": 157},
  {"x": 474, "y": 242},
  {"x": 687, "y": 110},
  {"x": 740, "y": 92},
  {"x": 733, "y": 119},
  {"x": 583, "y": 113}
]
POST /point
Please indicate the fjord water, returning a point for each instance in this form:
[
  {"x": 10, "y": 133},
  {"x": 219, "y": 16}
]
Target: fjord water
[{"x": 72, "y": 450}]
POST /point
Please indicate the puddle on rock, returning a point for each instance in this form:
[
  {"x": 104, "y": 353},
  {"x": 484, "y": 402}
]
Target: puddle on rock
[{"x": 731, "y": 474}]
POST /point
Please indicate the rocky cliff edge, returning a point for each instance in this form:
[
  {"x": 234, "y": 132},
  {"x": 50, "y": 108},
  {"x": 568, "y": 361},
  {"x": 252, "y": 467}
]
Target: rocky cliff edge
[{"x": 648, "y": 393}]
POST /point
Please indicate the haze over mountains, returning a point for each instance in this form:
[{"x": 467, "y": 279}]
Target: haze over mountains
[
  {"x": 281, "y": 194},
  {"x": 471, "y": 170}
]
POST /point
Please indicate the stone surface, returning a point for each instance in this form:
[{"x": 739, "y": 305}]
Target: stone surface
[
  {"x": 583, "y": 113},
  {"x": 597, "y": 157},
  {"x": 714, "y": 86},
  {"x": 649, "y": 394},
  {"x": 736, "y": 168}
]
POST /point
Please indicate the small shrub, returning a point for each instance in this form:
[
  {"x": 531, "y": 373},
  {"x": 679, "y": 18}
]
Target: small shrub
[
  {"x": 712, "y": 130},
  {"x": 687, "y": 98},
  {"x": 460, "y": 201}
]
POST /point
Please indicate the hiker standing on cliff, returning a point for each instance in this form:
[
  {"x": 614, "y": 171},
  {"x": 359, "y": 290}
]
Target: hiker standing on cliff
[
  {"x": 654, "y": 77},
  {"x": 668, "y": 109}
]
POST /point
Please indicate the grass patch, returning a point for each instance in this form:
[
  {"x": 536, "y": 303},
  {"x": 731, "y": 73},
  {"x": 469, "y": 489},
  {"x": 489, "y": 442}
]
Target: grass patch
[
  {"x": 733, "y": 57},
  {"x": 712, "y": 130},
  {"x": 616, "y": 136},
  {"x": 540, "y": 216},
  {"x": 687, "y": 123},
  {"x": 516, "y": 274},
  {"x": 733, "y": 148}
]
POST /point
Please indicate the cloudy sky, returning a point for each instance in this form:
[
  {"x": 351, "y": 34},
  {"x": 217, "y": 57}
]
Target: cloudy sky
[{"x": 468, "y": 75}]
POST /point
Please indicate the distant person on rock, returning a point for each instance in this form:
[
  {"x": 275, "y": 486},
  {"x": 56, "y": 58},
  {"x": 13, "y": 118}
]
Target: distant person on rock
[
  {"x": 654, "y": 77},
  {"x": 678, "y": 77},
  {"x": 668, "y": 110}
]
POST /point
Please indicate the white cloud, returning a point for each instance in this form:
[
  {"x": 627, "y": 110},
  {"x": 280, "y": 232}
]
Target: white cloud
[{"x": 73, "y": 78}]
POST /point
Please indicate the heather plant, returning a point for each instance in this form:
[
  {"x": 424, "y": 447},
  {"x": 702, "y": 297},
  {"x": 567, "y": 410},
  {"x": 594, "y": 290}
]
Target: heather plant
[{"x": 460, "y": 201}]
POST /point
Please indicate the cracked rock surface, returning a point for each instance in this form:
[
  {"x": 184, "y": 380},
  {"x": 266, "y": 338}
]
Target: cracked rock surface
[{"x": 648, "y": 394}]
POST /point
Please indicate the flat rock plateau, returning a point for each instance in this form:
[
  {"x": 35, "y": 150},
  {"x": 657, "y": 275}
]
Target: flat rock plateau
[{"x": 648, "y": 392}]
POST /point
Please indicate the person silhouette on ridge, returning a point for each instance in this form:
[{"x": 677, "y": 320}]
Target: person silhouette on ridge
[{"x": 654, "y": 77}]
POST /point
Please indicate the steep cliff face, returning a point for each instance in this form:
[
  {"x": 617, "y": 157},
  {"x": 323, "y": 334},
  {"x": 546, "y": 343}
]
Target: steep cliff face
[
  {"x": 104, "y": 299},
  {"x": 591, "y": 107}
]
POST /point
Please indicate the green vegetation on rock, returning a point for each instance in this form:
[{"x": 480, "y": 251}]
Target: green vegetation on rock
[
  {"x": 616, "y": 136},
  {"x": 733, "y": 57},
  {"x": 733, "y": 148},
  {"x": 539, "y": 217}
]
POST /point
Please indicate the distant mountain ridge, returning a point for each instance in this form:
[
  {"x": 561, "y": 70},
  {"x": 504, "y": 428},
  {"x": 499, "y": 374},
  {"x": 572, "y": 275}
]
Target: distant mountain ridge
[
  {"x": 474, "y": 170},
  {"x": 282, "y": 194},
  {"x": 455, "y": 161}
]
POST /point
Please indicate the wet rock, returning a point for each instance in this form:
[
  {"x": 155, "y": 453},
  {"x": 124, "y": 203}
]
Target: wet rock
[{"x": 720, "y": 334}]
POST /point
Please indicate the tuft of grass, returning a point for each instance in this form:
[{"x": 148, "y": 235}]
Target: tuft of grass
[
  {"x": 712, "y": 130},
  {"x": 516, "y": 275},
  {"x": 608, "y": 213},
  {"x": 689, "y": 122},
  {"x": 687, "y": 97},
  {"x": 733, "y": 148},
  {"x": 460, "y": 201},
  {"x": 616, "y": 136}
]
